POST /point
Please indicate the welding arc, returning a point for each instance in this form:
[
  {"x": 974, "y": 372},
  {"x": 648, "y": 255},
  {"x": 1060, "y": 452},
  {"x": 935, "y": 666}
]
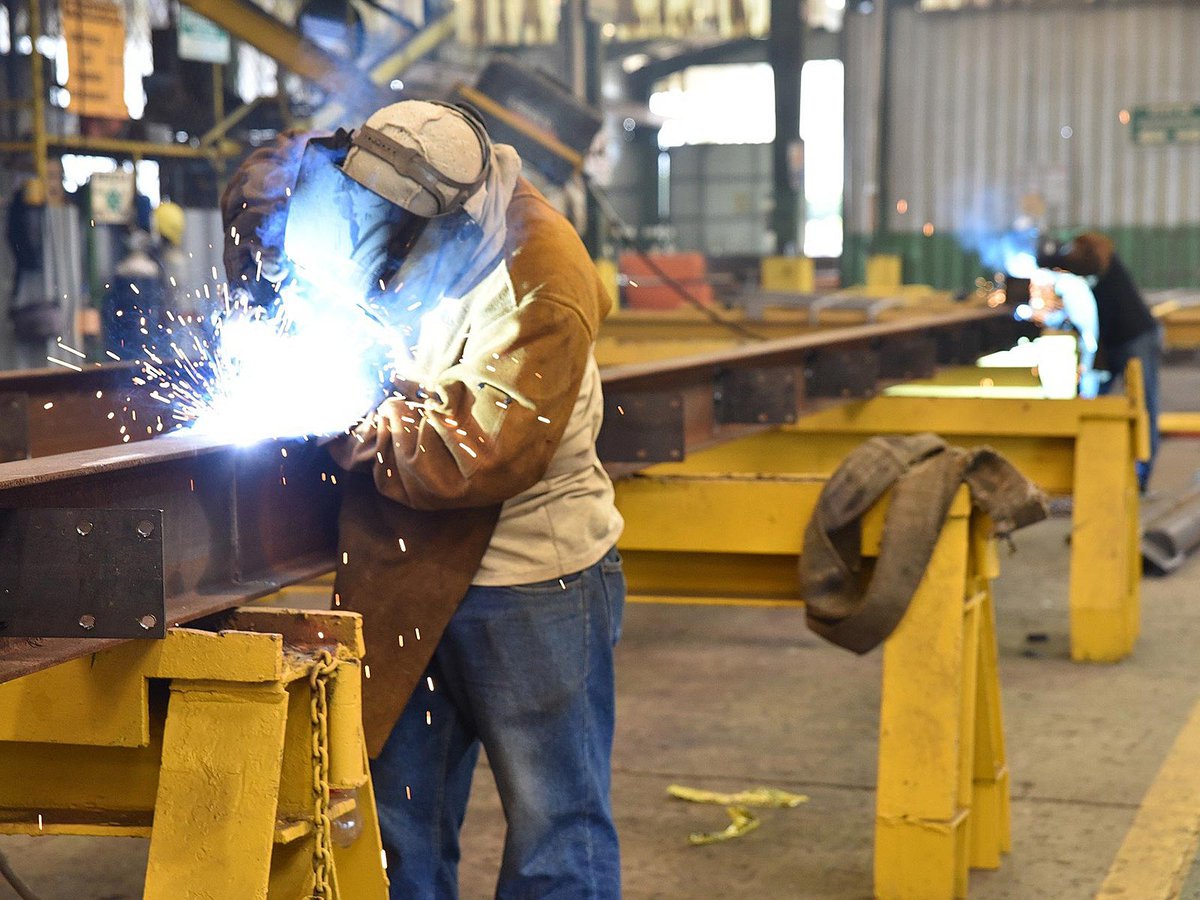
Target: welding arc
[
  {"x": 22, "y": 889},
  {"x": 622, "y": 232}
]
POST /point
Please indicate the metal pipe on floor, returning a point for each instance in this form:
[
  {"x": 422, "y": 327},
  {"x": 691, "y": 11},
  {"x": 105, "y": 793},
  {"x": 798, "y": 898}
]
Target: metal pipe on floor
[{"x": 1170, "y": 537}]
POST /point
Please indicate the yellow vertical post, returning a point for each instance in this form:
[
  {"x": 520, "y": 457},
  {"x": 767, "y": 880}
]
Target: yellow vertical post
[
  {"x": 991, "y": 828},
  {"x": 38, "y": 109},
  {"x": 926, "y": 736},
  {"x": 990, "y": 823},
  {"x": 214, "y": 814},
  {"x": 1105, "y": 581}
]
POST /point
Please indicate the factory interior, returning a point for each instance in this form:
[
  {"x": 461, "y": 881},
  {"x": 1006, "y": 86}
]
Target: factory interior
[{"x": 586, "y": 448}]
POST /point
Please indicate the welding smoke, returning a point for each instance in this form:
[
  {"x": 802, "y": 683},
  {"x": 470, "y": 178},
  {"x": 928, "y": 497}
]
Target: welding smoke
[{"x": 1012, "y": 253}]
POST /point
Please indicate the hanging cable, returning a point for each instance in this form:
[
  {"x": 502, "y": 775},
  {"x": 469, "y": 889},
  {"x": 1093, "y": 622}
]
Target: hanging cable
[{"x": 623, "y": 232}]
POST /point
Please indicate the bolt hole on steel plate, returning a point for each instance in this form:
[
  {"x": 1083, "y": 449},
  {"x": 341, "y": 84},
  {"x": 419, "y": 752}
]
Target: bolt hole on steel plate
[{"x": 95, "y": 573}]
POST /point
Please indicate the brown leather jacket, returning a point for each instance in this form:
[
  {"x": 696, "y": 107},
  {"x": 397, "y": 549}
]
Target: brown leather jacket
[{"x": 422, "y": 493}]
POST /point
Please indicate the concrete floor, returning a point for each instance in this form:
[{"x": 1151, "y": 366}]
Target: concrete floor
[{"x": 735, "y": 698}]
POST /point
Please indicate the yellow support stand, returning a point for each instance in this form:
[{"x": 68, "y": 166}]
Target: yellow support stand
[
  {"x": 885, "y": 270},
  {"x": 788, "y": 275},
  {"x": 238, "y": 754},
  {"x": 1085, "y": 448},
  {"x": 943, "y": 784}
]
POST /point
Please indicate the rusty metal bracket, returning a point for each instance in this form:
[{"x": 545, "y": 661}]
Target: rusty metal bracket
[
  {"x": 842, "y": 373},
  {"x": 14, "y": 426},
  {"x": 69, "y": 573},
  {"x": 757, "y": 396},
  {"x": 646, "y": 426}
]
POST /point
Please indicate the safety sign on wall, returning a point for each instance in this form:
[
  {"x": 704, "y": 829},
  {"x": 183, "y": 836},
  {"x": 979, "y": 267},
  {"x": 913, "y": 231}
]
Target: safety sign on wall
[
  {"x": 1166, "y": 123},
  {"x": 201, "y": 40},
  {"x": 112, "y": 197},
  {"x": 95, "y": 35}
]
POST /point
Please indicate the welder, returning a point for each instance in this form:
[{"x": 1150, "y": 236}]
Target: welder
[
  {"x": 476, "y": 517},
  {"x": 1128, "y": 330}
]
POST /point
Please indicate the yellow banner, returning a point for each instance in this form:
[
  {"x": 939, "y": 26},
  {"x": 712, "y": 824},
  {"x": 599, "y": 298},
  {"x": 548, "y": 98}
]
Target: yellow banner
[{"x": 95, "y": 33}]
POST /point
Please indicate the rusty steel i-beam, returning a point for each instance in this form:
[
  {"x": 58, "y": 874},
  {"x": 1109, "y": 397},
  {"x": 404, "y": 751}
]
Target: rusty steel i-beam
[{"x": 118, "y": 542}]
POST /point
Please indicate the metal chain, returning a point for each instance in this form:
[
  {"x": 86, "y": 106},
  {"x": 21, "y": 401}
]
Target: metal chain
[{"x": 318, "y": 678}]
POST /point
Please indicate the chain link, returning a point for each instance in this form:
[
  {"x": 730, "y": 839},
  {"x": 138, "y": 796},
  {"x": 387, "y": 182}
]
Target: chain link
[{"x": 323, "y": 666}]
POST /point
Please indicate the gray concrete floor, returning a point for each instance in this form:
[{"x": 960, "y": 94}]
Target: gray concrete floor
[{"x": 734, "y": 698}]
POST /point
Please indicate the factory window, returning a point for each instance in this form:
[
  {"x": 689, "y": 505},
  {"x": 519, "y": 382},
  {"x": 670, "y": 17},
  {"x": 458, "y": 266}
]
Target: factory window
[
  {"x": 729, "y": 104},
  {"x": 822, "y": 113},
  {"x": 735, "y": 104}
]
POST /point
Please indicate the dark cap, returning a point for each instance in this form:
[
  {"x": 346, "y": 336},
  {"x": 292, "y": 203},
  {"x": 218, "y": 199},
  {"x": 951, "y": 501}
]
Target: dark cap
[{"x": 1052, "y": 254}]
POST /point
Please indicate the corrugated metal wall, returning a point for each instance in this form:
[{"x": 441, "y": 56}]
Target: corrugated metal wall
[{"x": 981, "y": 104}]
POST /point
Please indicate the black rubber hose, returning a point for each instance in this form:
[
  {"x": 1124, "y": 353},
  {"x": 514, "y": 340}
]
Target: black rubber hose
[{"x": 22, "y": 889}]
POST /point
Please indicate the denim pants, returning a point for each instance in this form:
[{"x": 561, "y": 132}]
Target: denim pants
[
  {"x": 527, "y": 672},
  {"x": 1147, "y": 348}
]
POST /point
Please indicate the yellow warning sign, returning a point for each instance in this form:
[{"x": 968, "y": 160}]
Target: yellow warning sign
[{"x": 95, "y": 33}]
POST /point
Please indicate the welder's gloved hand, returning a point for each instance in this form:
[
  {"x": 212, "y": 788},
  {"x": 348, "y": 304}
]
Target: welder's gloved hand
[{"x": 254, "y": 212}]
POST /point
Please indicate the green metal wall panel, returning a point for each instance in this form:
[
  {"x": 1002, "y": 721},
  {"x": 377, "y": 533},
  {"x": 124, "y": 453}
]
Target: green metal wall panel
[{"x": 1159, "y": 257}]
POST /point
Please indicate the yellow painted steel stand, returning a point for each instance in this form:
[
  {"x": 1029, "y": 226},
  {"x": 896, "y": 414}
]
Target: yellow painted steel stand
[
  {"x": 1085, "y": 448},
  {"x": 943, "y": 784},
  {"x": 239, "y": 753}
]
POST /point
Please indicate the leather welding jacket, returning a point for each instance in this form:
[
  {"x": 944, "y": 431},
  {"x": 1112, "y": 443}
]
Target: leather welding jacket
[{"x": 419, "y": 507}]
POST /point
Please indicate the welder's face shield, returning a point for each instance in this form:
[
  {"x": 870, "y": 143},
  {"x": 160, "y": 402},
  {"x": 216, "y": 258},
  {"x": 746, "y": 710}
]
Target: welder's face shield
[
  {"x": 341, "y": 237},
  {"x": 351, "y": 243}
]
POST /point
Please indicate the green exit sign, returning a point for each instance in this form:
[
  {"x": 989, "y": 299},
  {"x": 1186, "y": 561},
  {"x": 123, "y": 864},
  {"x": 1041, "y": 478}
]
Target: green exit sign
[{"x": 1166, "y": 123}]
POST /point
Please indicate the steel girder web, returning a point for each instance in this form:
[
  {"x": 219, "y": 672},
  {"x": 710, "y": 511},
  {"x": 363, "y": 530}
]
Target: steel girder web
[{"x": 110, "y": 544}]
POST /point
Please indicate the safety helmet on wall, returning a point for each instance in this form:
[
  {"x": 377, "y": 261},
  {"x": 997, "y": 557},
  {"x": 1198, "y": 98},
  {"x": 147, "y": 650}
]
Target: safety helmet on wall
[
  {"x": 426, "y": 157},
  {"x": 169, "y": 222}
]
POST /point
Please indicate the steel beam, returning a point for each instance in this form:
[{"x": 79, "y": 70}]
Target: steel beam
[
  {"x": 237, "y": 522},
  {"x": 63, "y": 412},
  {"x": 837, "y": 364},
  {"x": 241, "y": 522},
  {"x": 49, "y": 411}
]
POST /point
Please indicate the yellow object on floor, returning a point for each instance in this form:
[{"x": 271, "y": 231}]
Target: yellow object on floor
[
  {"x": 765, "y": 797},
  {"x": 742, "y": 823}
]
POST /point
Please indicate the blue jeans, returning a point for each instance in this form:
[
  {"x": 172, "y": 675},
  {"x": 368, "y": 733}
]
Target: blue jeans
[
  {"x": 1147, "y": 348},
  {"x": 526, "y": 671}
]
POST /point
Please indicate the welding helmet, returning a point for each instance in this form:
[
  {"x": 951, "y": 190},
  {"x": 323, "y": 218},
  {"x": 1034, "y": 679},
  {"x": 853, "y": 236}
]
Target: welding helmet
[
  {"x": 1051, "y": 253},
  {"x": 386, "y": 203}
]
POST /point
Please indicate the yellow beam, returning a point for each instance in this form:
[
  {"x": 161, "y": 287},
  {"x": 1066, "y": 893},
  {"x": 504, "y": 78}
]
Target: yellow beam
[
  {"x": 126, "y": 148},
  {"x": 1179, "y": 423},
  {"x": 1047, "y": 461},
  {"x": 284, "y": 44},
  {"x": 227, "y": 122},
  {"x": 1013, "y": 418},
  {"x": 421, "y": 44},
  {"x": 518, "y": 123},
  {"x": 723, "y": 536}
]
